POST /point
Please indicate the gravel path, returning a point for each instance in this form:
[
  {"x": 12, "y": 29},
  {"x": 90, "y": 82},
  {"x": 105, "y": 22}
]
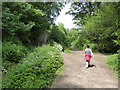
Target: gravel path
[{"x": 75, "y": 75}]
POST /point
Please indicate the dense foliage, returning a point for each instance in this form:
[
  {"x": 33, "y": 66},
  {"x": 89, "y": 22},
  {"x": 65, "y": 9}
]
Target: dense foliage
[
  {"x": 100, "y": 29},
  {"x": 26, "y": 25},
  {"x": 28, "y": 21},
  {"x": 13, "y": 52},
  {"x": 59, "y": 35},
  {"x": 113, "y": 62},
  {"x": 37, "y": 70}
]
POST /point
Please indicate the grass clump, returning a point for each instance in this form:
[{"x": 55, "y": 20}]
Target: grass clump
[{"x": 113, "y": 62}]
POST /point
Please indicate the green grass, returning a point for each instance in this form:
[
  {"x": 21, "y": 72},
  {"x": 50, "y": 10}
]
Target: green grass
[
  {"x": 113, "y": 63},
  {"x": 68, "y": 51}
]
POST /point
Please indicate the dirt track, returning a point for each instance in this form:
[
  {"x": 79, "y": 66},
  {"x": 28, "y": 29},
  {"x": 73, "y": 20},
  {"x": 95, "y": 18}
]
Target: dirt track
[{"x": 75, "y": 75}]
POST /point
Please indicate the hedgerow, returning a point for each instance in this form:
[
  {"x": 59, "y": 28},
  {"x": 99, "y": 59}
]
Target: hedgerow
[{"x": 37, "y": 70}]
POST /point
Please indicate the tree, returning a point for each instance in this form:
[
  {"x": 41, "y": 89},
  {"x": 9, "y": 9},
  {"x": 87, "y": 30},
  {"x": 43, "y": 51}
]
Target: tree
[
  {"x": 80, "y": 10},
  {"x": 28, "y": 21},
  {"x": 59, "y": 35},
  {"x": 100, "y": 25},
  {"x": 102, "y": 28}
]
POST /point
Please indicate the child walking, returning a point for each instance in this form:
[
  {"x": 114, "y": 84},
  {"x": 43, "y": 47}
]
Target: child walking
[{"x": 88, "y": 55}]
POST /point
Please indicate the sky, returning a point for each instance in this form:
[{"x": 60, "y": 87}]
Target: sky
[{"x": 65, "y": 19}]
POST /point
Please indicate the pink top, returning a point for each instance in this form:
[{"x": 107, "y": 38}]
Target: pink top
[{"x": 87, "y": 57}]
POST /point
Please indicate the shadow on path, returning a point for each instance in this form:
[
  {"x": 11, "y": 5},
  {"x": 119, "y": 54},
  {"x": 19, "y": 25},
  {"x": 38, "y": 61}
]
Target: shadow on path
[{"x": 92, "y": 65}]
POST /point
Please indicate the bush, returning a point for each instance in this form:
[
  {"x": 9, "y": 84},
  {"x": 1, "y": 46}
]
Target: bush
[
  {"x": 113, "y": 63},
  {"x": 14, "y": 40},
  {"x": 56, "y": 45},
  {"x": 13, "y": 52},
  {"x": 36, "y": 71},
  {"x": 67, "y": 50},
  {"x": 6, "y": 65}
]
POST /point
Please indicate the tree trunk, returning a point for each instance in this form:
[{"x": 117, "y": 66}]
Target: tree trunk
[{"x": 42, "y": 39}]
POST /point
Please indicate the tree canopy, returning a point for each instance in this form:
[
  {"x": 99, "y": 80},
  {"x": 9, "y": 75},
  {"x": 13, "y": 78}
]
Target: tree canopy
[
  {"x": 99, "y": 24},
  {"x": 27, "y": 21}
]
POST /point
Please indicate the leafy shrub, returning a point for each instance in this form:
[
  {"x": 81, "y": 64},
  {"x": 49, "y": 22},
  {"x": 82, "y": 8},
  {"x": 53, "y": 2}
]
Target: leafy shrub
[
  {"x": 51, "y": 42},
  {"x": 75, "y": 43},
  {"x": 87, "y": 42},
  {"x": 59, "y": 35},
  {"x": 6, "y": 65},
  {"x": 68, "y": 50},
  {"x": 58, "y": 46},
  {"x": 12, "y": 39},
  {"x": 113, "y": 63},
  {"x": 13, "y": 52},
  {"x": 36, "y": 71},
  {"x": 93, "y": 46}
]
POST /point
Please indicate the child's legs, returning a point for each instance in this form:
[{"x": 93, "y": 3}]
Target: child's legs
[{"x": 87, "y": 63}]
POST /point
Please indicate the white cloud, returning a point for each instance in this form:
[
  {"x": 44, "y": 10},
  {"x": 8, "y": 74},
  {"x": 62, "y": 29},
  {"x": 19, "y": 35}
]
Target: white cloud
[{"x": 65, "y": 19}]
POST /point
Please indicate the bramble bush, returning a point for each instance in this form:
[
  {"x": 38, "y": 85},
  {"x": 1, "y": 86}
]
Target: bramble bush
[
  {"x": 113, "y": 62},
  {"x": 37, "y": 70}
]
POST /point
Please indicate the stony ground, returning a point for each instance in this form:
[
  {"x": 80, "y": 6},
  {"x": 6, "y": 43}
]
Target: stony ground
[{"x": 75, "y": 74}]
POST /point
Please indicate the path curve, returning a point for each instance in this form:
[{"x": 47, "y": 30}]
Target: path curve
[{"x": 75, "y": 75}]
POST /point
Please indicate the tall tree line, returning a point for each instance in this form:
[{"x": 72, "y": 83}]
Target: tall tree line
[
  {"x": 27, "y": 22},
  {"x": 99, "y": 25}
]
